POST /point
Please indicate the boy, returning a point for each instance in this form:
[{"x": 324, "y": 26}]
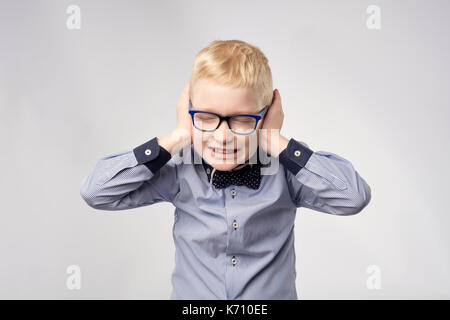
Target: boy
[{"x": 234, "y": 225}]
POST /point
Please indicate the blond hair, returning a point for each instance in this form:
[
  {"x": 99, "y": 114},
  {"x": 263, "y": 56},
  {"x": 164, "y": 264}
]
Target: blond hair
[{"x": 235, "y": 63}]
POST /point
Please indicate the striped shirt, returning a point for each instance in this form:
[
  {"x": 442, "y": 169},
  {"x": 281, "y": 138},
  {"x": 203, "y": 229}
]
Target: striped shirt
[{"x": 233, "y": 242}]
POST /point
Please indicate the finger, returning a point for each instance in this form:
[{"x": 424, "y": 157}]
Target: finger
[
  {"x": 275, "y": 106},
  {"x": 276, "y": 98},
  {"x": 184, "y": 98},
  {"x": 188, "y": 89}
]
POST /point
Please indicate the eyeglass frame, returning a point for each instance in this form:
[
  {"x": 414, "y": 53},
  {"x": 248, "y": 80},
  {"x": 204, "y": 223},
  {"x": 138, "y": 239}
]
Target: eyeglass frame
[{"x": 227, "y": 119}]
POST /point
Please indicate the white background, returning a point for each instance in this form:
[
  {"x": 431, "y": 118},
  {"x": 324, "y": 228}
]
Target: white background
[{"x": 378, "y": 98}]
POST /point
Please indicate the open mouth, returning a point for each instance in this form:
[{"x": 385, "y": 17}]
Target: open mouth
[{"x": 221, "y": 153}]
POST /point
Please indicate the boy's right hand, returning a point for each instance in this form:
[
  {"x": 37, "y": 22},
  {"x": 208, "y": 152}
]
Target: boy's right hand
[
  {"x": 184, "y": 120},
  {"x": 182, "y": 135}
]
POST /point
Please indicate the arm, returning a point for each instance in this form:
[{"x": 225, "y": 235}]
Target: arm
[
  {"x": 323, "y": 181},
  {"x": 146, "y": 175},
  {"x": 143, "y": 176}
]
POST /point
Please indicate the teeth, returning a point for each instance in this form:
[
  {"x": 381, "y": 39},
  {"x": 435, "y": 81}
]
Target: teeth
[{"x": 223, "y": 151}]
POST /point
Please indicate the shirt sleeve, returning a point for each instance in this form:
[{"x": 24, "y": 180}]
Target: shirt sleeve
[
  {"x": 323, "y": 181},
  {"x": 142, "y": 176}
]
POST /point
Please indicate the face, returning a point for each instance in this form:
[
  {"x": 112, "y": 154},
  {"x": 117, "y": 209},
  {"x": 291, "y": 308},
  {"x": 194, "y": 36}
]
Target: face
[{"x": 210, "y": 96}]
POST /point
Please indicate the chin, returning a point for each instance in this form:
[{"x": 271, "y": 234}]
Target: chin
[{"x": 223, "y": 164}]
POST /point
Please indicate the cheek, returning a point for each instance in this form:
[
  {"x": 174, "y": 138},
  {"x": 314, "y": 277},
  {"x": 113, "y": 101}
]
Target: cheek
[
  {"x": 248, "y": 145},
  {"x": 202, "y": 141},
  {"x": 251, "y": 141},
  {"x": 242, "y": 143}
]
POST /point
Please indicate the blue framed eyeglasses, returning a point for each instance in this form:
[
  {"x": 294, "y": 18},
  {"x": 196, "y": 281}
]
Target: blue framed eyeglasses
[{"x": 243, "y": 124}]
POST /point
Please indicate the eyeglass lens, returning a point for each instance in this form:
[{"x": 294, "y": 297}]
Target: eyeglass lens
[{"x": 238, "y": 124}]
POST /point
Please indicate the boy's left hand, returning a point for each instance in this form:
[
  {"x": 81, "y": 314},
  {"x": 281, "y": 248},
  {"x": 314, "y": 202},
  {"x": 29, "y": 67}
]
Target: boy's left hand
[{"x": 272, "y": 123}]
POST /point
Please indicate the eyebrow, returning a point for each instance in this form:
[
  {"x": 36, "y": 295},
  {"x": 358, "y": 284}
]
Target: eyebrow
[{"x": 207, "y": 109}]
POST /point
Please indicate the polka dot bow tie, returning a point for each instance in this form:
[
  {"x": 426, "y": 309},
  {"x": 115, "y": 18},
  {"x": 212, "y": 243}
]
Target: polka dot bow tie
[{"x": 249, "y": 175}]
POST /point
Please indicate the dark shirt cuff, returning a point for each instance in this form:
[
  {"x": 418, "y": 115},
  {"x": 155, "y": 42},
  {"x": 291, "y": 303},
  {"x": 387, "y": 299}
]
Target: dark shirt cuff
[
  {"x": 152, "y": 155},
  {"x": 295, "y": 156}
]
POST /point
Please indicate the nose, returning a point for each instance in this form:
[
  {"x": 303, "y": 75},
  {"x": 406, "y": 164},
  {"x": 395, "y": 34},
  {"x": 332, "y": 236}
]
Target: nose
[{"x": 223, "y": 134}]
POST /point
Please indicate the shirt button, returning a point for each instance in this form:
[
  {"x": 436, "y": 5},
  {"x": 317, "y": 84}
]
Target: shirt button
[
  {"x": 235, "y": 224},
  {"x": 148, "y": 152},
  {"x": 208, "y": 171},
  {"x": 297, "y": 153},
  {"x": 233, "y": 192},
  {"x": 233, "y": 260}
]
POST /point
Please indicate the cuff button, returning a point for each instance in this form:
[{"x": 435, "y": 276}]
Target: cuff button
[
  {"x": 148, "y": 152},
  {"x": 297, "y": 153}
]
